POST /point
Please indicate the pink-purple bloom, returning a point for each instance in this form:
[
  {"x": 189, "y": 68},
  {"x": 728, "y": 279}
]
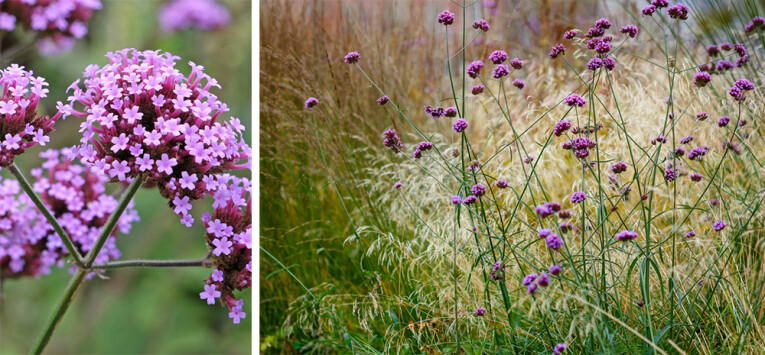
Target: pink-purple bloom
[
  {"x": 446, "y": 18},
  {"x": 482, "y": 25},
  {"x": 626, "y": 235},
  {"x": 498, "y": 57},
  {"x": 473, "y": 70},
  {"x": 352, "y": 57},
  {"x": 311, "y": 102},
  {"x": 460, "y": 125},
  {"x": 575, "y": 100},
  {"x": 205, "y": 15},
  {"x": 719, "y": 225},
  {"x": 578, "y": 197}
]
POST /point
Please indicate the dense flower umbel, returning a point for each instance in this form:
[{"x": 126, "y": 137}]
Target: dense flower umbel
[
  {"x": 352, "y": 57},
  {"x": 678, "y": 11},
  {"x": 756, "y": 23},
  {"x": 477, "y": 89},
  {"x": 391, "y": 140},
  {"x": 144, "y": 119},
  {"x": 626, "y": 235},
  {"x": 630, "y": 30},
  {"x": 383, "y": 100},
  {"x": 423, "y": 146},
  {"x": 557, "y": 50},
  {"x": 311, "y": 102},
  {"x": 702, "y": 79},
  {"x": 482, "y": 25},
  {"x": 202, "y": 14},
  {"x": 578, "y": 197},
  {"x": 57, "y": 22},
  {"x": 75, "y": 196},
  {"x": 719, "y": 225},
  {"x": 559, "y": 348},
  {"x": 574, "y": 100},
  {"x": 459, "y": 125},
  {"x": 229, "y": 237},
  {"x": 473, "y": 70},
  {"x": 497, "y": 271},
  {"x": 20, "y": 127},
  {"x": 446, "y": 18},
  {"x": 498, "y": 57}
]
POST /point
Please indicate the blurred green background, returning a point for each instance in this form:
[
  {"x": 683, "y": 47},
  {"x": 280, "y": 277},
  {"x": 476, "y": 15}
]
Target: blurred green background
[{"x": 137, "y": 310}]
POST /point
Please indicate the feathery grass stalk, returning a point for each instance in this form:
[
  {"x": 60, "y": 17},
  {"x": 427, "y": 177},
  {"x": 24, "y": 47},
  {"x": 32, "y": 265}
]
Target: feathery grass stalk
[{"x": 78, "y": 260}]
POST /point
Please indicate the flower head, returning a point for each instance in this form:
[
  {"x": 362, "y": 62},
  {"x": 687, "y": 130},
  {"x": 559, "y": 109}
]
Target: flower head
[
  {"x": 498, "y": 57},
  {"x": 311, "y": 102},
  {"x": 477, "y": 89},
  {"x": 701, "y": 79},
  {"x": 553, "y": 241},
  {"x": 557, "y": 50},
  {"x": 555, "y": 269},
  {"x": 626, "y": 235},
  {"x": 575, "y": 100},
  {"x": 516, "y": 63},
  {"x": 569, "y": 34},
  {"x": 482, "y": 25},
  {"x": 446, "y": 18},
  {"x": 352, "y": 57},
  {"x": 718, "y": 225},
  {"x": 480, "y": 311},
  {"x": 459, "y": 125},
  {"x": 519, "y": 83},
  {"x": 473, "y": 70},
  {"x": 578, "y": 197},
  {"x": 391, "y": 140},
  {"x": 630, "y": 30},
  {"x": 500, "y": 71},
  {"x": 678, "y": 11},
  {"x": 383, "y": 100},
  {"x": 205, "y": 15}
]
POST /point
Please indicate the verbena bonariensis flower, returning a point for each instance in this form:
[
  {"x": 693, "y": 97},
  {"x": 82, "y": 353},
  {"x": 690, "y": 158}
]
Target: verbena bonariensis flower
[
  {"x": 603, "y": 23},
  {"x": 482, "y": 25},
  {"x": 660, "y": 3},
  {"x": 648, "y": 10},
  {"x": 391, "y": 141},
  {"x": 311, "y": 102},
  {"x": 595, "y": 32},
  {"x": 446, "y": 18},
  {"x": 383, "y": 100},
  {"x": 205, "y": 15},
  {"x": 478, "y": 190},
  {"x": 459, "y": 125},
  {"x": 519, "y": 83},
  {"x": 686, "y": 139},
  {"x": 561, "y": 127},
  {"x": 469, "y": 200},
  {"x": 543, "y": 280},
  {"x": 146, "y": 120},
  {"x": 678, "y": 11},
  {"x": 423, "y": 146},
  {"x": 719, "y": 225},
  {"x": 501, "y": 183},
  {"x": 497, "y": 270},
  {"x": 477, "y": 89},
  {"x": 630, "y": 30},
  {"x": 397, "y": 185},
  {"x": 626, "y": 235},
  {"x": 744, "y": 84},
  {"x": 544, "y": 232},
  {"x": 500, "y": 71},
  {"x": 435, "y": 112},
  {"x": 619, "y": 167},
  {"x": 697, "y": 153},
  {"x": 723, "y": 65},
  {"x": 75, "y": 196},
  {"x": 569, "y": 34},
  {"x": 701, "y": 79},
  {"x": 756, "y": 23},
  {"x": 555, "y": 269},
  {"x": 529, "y": 279},
  {"x": 740, "y": 49},
  {"x": 609, "y": 63},
  {"x": 456, "y": 200},
  {"x": 516, "y": 63},
  {"x": 726, "y": 46},
  {"x": 480, "y": 311},
  {"x": 578, "y": 197},
  {"x": 690, "y": 234},
  {"x": 473, "y": 70},
  {"x": 559, "y": 348},
  {"x": 564, "y": 214},
  {"x": 723, "y": 121},
  {"x": 702, "y": 116},
  {"x": 229, "y": 238},
  {"x": 574, "y": 100},
  {"x": 20, "y": 126},
  {"x": 696, "y": 177},
  {"x": 670, "y": 174},
  {"x": 659, "y": 139},
  {"x": 556, "y": 50},
  {"x": 594, "y": 63},
  {"x": 352, "y": 57},
  {"x": 679, "y": 151},
  {"x": 498, "y": 57},
  {"x": 737, "y": 93},
  {"x": 57, "y": 23},
  {"x": 713, "y": 50},
  {"x": 553, "y": 241},
  {"x": 450, "y": 112}
]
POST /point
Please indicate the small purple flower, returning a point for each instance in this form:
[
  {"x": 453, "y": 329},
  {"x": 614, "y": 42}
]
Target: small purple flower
[
  {"x": 595, "y": 63},
  {"x": 529, "y": 279},
  {"x": 554, "y": 242},
  {"x": 556, "y": 50},
  {"x": 498, "y": 57},
  {"x": 690, "y": 234},
  {"x": 756, "y": 23},
  {"x": 670, "y": 174},
  {"x": 497, "y": 270},
  {"x": 555, "y": 269},
  {"x": 561, "y": 127},
  {"x": 456, "y": 199},
  {"x": 352, "y": 57},
  {"x": 482, "y": 25},
  {"x": 544, "y": 233},
  {"x": 575, "y": 100},
  {"x": 578, "y": 197},
  {"x": 531, "y": 289},
  {"x": 660, "y": 3},
  {"x": 450, "y": 112},
  {"x": 719, "y": 225},
  {"x": 500, "y": 71},
  {"x": 701, "y": 79},
  {"x": 217, "y": 275},
  {"x": 696, "y": 177},
  {"x": 723, "y": 121},
  {"x": 478, "y": 190},
  {"x": 480, "y": 311},
  {"x": 446, "y": 18},
  {"x": 630, "y": 30},
  {"x": 516, "y": 63},
  {"x": 603, "y": 47},
  {"x": 397, "y": 185},
  {"x": 744, "y": 84},
  {"x": 678, "y": 11},
  {"x": 603, "y": 23},
  {"x": 702, "y": 116},
  {"x": 686, "y": 139},
  {"x": 723, "y": 65},
  {"x": 383, "y": 100},
  {"x": 469, "y": 200},
  {"x": 713, "y": 50},
  {"x": 565, "y": 214},
  {"x": 619, "y": 167},
  {"x": 501, "y": 183},
  {"x": 559, "y": 348},
  {"x": 648, "y": 10},
  {"x": 544, "y": 210},
  {"x": 737, "y": 94},
  {"x": 459, "y": 125},
  {"x": 519, "y": 83},
  {"x": 569, "y": 34},
  {"x": 311, "y": 102},
  {"x": 697, "y": 153},
  {"x": 626, "y": 235},
  {"x": 543, "y": 280},
  {"x": 740, "y": 49},
  {"x": 477, "y": 89},
  {"x": 726, "y": 46},
  {"x": 392, "y": 141},
  {"x": 210, "y": 294},
  {"x": 473, "y": 70}
]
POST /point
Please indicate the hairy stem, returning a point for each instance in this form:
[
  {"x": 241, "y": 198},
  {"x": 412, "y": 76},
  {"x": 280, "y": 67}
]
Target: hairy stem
[{"x": 204, "y": 262}]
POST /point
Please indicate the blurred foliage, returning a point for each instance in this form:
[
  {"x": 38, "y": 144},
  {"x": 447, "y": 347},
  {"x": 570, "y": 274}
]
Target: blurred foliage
[{"x": 137, "y": 310}]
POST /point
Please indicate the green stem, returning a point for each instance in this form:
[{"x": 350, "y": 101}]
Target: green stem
[
  {"x": 52, "y": 220},
  {"x": 204, "y": 262},
  {"x": 74, "y": 284}
]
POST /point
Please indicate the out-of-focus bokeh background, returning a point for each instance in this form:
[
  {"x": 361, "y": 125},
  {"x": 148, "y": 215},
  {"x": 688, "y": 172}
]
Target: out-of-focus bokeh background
[{"x": 137, "y": 310}]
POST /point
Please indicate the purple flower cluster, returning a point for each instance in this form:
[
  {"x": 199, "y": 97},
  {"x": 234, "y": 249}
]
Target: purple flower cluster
[
  {"x": 516, "y": 63},
  {"x": 57, "y": 22},
  {"x": 559, "y": 348},
  {"x": 383, "y": 100},
  {"x": 756, "y": 23},
  {"x": 473, "y": 70},
  {"x": 619, "y": 167},
  {"x": 739, "y": 89},
  {"x": 391, "y": 141},
  {"x": 595, "y": 63},
  {"x": 678, "y": 11},
  {"x": 469, "y": 200},
  {"x": 498, "y": 57},
  {"x": 477, "y": 89},
  {"x": 702, "y": 116},
  {"x": 497, "y": 270},
  {"x": 690, "y": 234},
  {"x": 532, "y": 281},
  {"x": 701, "y": 79},
  {"x": 311, "y": 102},
  {"x": 478, "y": 190},
  {"x": 626, "y": 235},
  {"x": 554, "y": 241},
  {"x": 686, "y": 139},
  {"x": 352, "y": 57},
  {"x": 555, "y": 269},
  {"x": 581, "y": 146},
  {"x": 20, "y": 126},
  {"x": 723, "y": 121},
  {"x": 569, "y": 34},
  {"x": 670, "y": 174},
  {"x": 561, "y": 127},
  {"x": 435, "y": 112},
  {"x": 578, "y": 197},
  {"x": 719, "y": 225},
  {"x": 480, "y": 311},
  {"x": 229, "y": 238},
  {"x": 575, "y": 100},
  {"x": 547, "y": 209},
  {"x": 501, "y": 183},
  {"x": 75, "y": 196},
  {"x": 696, "y": 177},
  {"x": 450, "y": 112},
  {"x": 630, "y": 30},
  {"x": 146, "y": 120},
  {"x": 557, "y": 50},
  {"x": 459, "y": 125},
  {"x": 519, "y": 83},
  {"x": 205, "y": 15},
  {"x": 713, "y": 50},
  {"x": 500, "y": 71},
  {"x": 446, "y": 18},
  {"x": 698, "y": 153},
  {"x": 423, "y": 146},
  {"x": 482, "y": 25},
  {"x": 659, "y": 139}
]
